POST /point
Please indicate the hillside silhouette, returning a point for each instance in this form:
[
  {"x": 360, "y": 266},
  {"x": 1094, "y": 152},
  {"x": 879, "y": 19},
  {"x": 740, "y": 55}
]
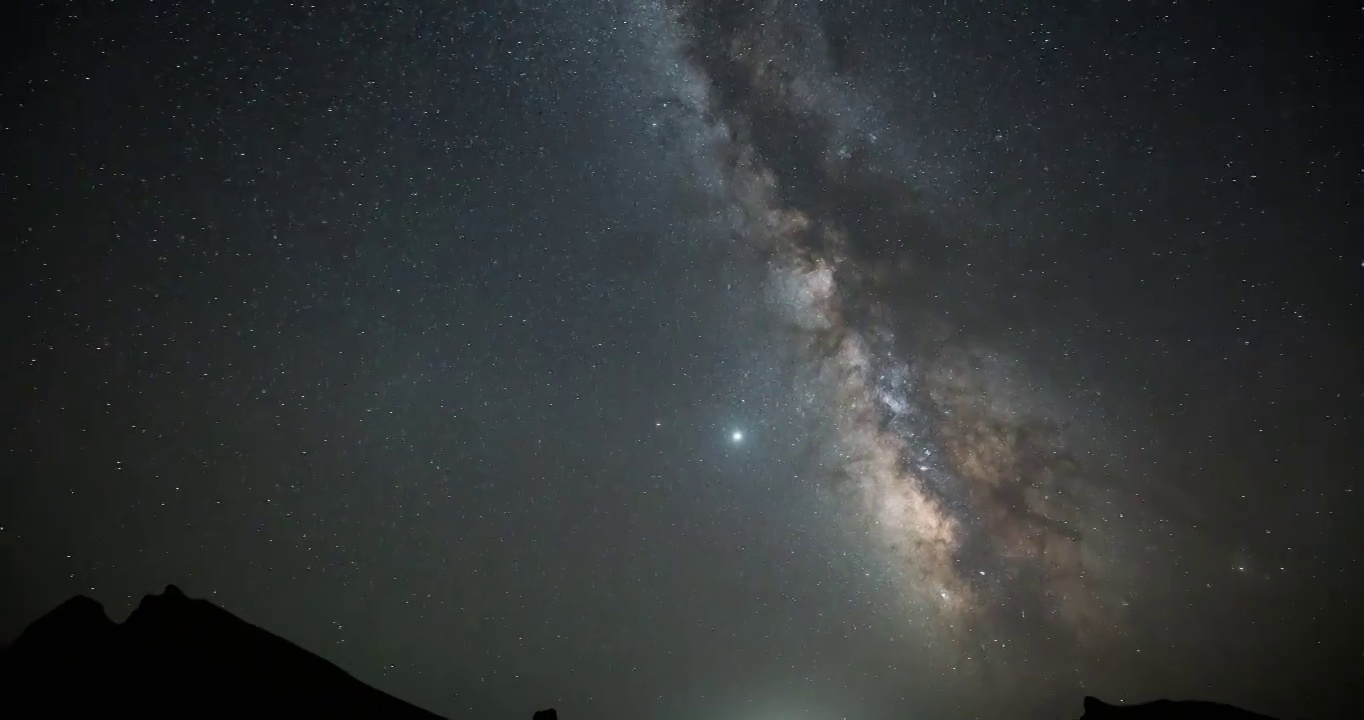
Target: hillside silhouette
[
  {"x": 180, "y": 657},
  {"x": 176, "y": 657},
  {"x": 1096, "y": 709}
]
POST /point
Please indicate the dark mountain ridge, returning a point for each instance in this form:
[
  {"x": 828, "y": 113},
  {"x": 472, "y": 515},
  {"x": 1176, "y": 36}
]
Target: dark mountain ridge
[
  {"x": 181, "y": 657},
  {"x": 1096, "y": 709}
]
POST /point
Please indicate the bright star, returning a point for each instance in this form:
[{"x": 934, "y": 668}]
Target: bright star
[{"x": 736, "y": 436}]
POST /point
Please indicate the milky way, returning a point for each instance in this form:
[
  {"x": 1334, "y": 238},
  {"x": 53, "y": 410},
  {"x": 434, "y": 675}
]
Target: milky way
[
  {"x": 726, "y": 359},
  {"x": 979, "y": 502}
]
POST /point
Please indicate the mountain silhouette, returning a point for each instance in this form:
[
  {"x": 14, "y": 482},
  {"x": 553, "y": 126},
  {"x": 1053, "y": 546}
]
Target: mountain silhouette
[
  {"x": 1096, "y": 709},
  {"x": 175, "y": 657},
  {"x": 179, "y": 657}
]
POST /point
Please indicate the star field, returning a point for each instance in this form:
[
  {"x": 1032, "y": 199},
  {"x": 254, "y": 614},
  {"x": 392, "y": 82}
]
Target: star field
[{"x": 676, "y": 358}]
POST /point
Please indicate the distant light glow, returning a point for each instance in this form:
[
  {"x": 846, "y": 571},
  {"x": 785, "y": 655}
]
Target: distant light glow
[{"x": 737, "y": 436}]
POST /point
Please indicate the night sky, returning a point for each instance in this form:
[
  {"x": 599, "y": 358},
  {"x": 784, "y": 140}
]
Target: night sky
[{"x": 697, "y": 359}]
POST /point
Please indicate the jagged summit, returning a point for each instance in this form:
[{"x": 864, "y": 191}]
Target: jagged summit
[
  {"x": 171, "y": 591},
  {"x": 172, "y": 596},
  {"x": 175, "y": 656}
]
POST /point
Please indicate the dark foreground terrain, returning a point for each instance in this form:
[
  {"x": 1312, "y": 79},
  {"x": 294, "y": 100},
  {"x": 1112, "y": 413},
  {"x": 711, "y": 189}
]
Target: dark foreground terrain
[
  {"x": 184, "y": 658},
  {"x": 1096, "y": 709},
  {"x": 176, "y": 657}
]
